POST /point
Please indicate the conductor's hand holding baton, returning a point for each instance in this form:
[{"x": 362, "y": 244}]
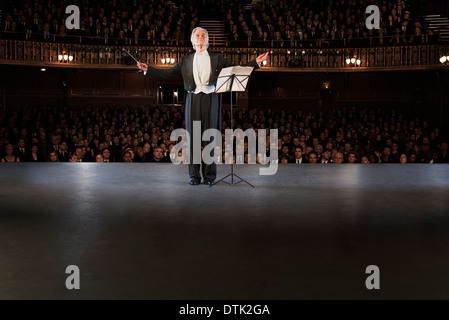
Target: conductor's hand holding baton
[
  {"x": 262, "y": 58},
  {"x": 142, "y": 66}
]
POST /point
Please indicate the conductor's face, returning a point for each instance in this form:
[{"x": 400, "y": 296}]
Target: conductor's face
[{"x": 200, "y": 39}]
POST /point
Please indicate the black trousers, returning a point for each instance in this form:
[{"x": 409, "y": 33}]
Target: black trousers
[{"x": 205, "y": 108}]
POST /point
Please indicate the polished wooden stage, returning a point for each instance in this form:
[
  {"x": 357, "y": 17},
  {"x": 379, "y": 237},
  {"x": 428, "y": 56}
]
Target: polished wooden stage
[{"x": 139, "y": 231}]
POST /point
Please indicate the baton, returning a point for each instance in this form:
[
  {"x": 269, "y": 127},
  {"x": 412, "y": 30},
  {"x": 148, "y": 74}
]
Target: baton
[{"x": 130, "y": 55}]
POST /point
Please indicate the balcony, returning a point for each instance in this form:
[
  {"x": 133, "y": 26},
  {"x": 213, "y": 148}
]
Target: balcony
[{"x": 294, "y": 59}]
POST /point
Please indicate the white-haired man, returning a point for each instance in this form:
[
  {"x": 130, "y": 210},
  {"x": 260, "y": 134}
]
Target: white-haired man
[{"x": 200, "y": 72}]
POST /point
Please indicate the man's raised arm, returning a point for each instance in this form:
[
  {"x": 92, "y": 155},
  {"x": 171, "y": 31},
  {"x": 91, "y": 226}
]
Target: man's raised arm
[{"x": 174, "y": 72}]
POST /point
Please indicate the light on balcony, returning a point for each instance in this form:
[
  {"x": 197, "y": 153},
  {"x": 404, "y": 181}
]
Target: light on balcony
[
  {"x": 163, "y": 61},
  {"x": 70, "y": 58},
  {"x": 358, "y": 62},
  {"x": 172, "y": 60},
  {"x": 348, "y": 61},
  {"x": 66, "y": 57},
  {"x": 443, "y": 59},
  {"x": 353, "y": 60},
  {"x": 60, "y": 57},
  {"x": 264, "y": 62}
]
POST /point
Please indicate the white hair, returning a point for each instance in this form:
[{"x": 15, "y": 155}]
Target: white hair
[{"x": 193, "y": 34}]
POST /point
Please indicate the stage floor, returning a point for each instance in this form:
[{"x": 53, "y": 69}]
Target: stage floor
[{"x": 139, "y": 231}]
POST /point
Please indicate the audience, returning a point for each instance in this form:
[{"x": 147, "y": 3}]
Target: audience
[
  {"x": 273, "y": 23},
  {"x": 308, "y": 23},
  {"x": 142, "y": 134},
  {"x": 134, "y": 22}
]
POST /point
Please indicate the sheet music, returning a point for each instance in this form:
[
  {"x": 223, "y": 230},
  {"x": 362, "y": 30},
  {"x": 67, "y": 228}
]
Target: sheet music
[{"x": 240, "y": 82}]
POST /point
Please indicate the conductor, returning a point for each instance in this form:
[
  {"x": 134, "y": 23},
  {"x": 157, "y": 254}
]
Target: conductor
[{"x": 200, "y": 71}]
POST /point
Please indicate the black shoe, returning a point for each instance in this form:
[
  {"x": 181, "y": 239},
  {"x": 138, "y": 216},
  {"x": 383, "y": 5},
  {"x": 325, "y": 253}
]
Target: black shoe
[
  {"x": 209, "y": 182},
  {"x": 194, "y": 182}
]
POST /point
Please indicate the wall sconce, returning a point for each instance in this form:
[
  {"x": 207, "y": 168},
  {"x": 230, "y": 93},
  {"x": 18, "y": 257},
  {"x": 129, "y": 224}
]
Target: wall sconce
[
  {"x": 168, "y": 60},
  {"x": 444, "y": 60},
  {"x": 353, "y": 62},
  {"x": 64, "y": 57}
]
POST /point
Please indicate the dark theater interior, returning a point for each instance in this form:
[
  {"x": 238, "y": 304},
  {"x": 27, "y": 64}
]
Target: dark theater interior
[{"x": 94, "y": 207}]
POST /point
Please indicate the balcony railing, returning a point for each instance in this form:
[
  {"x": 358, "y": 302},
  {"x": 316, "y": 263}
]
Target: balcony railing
[{"x": 24, "y": 52}]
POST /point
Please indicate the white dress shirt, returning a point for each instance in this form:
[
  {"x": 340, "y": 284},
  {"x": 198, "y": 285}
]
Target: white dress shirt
[{"x": 202, "y": 72}]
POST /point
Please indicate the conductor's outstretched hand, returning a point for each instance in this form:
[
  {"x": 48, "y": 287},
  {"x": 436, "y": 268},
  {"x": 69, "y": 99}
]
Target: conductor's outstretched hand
[
  {"x": 262, "y": 58},
  {"x": 142, "y": 66}
]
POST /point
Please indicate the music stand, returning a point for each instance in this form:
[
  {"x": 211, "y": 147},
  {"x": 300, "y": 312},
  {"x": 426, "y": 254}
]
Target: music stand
[{"x": 234, "y": 79}]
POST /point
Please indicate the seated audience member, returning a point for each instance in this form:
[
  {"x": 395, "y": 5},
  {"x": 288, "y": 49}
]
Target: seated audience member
[
  {"x": 298, "y": 156},
  {"x": 63, "y": 152},
  {"x": 106, "y": 155},
  {"x": 9, "y": 156},
  {"x": 73, "y": 157},
  {"x": 284, "y": 159},
  {"x": 158, "y": 155},
  {"x": 53, "y": 157},
  {"x": 338, "y": 157},
  {"x": 364, "y": 159},
  {"x": 352, "y": 157},
  {"x": 326, "y": 156},
  {"x": 403, "y": 158},
  {"x": 127, "y": 157},
  {"x": 99, "y": 158},
  {"x": 20, "y": 150},
  {"x": 34, "y": 155},
  {"x": 313, "y": 157}
]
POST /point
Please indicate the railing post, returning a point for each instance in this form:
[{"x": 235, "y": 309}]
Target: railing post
[{"x": 419, "y": 55}]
